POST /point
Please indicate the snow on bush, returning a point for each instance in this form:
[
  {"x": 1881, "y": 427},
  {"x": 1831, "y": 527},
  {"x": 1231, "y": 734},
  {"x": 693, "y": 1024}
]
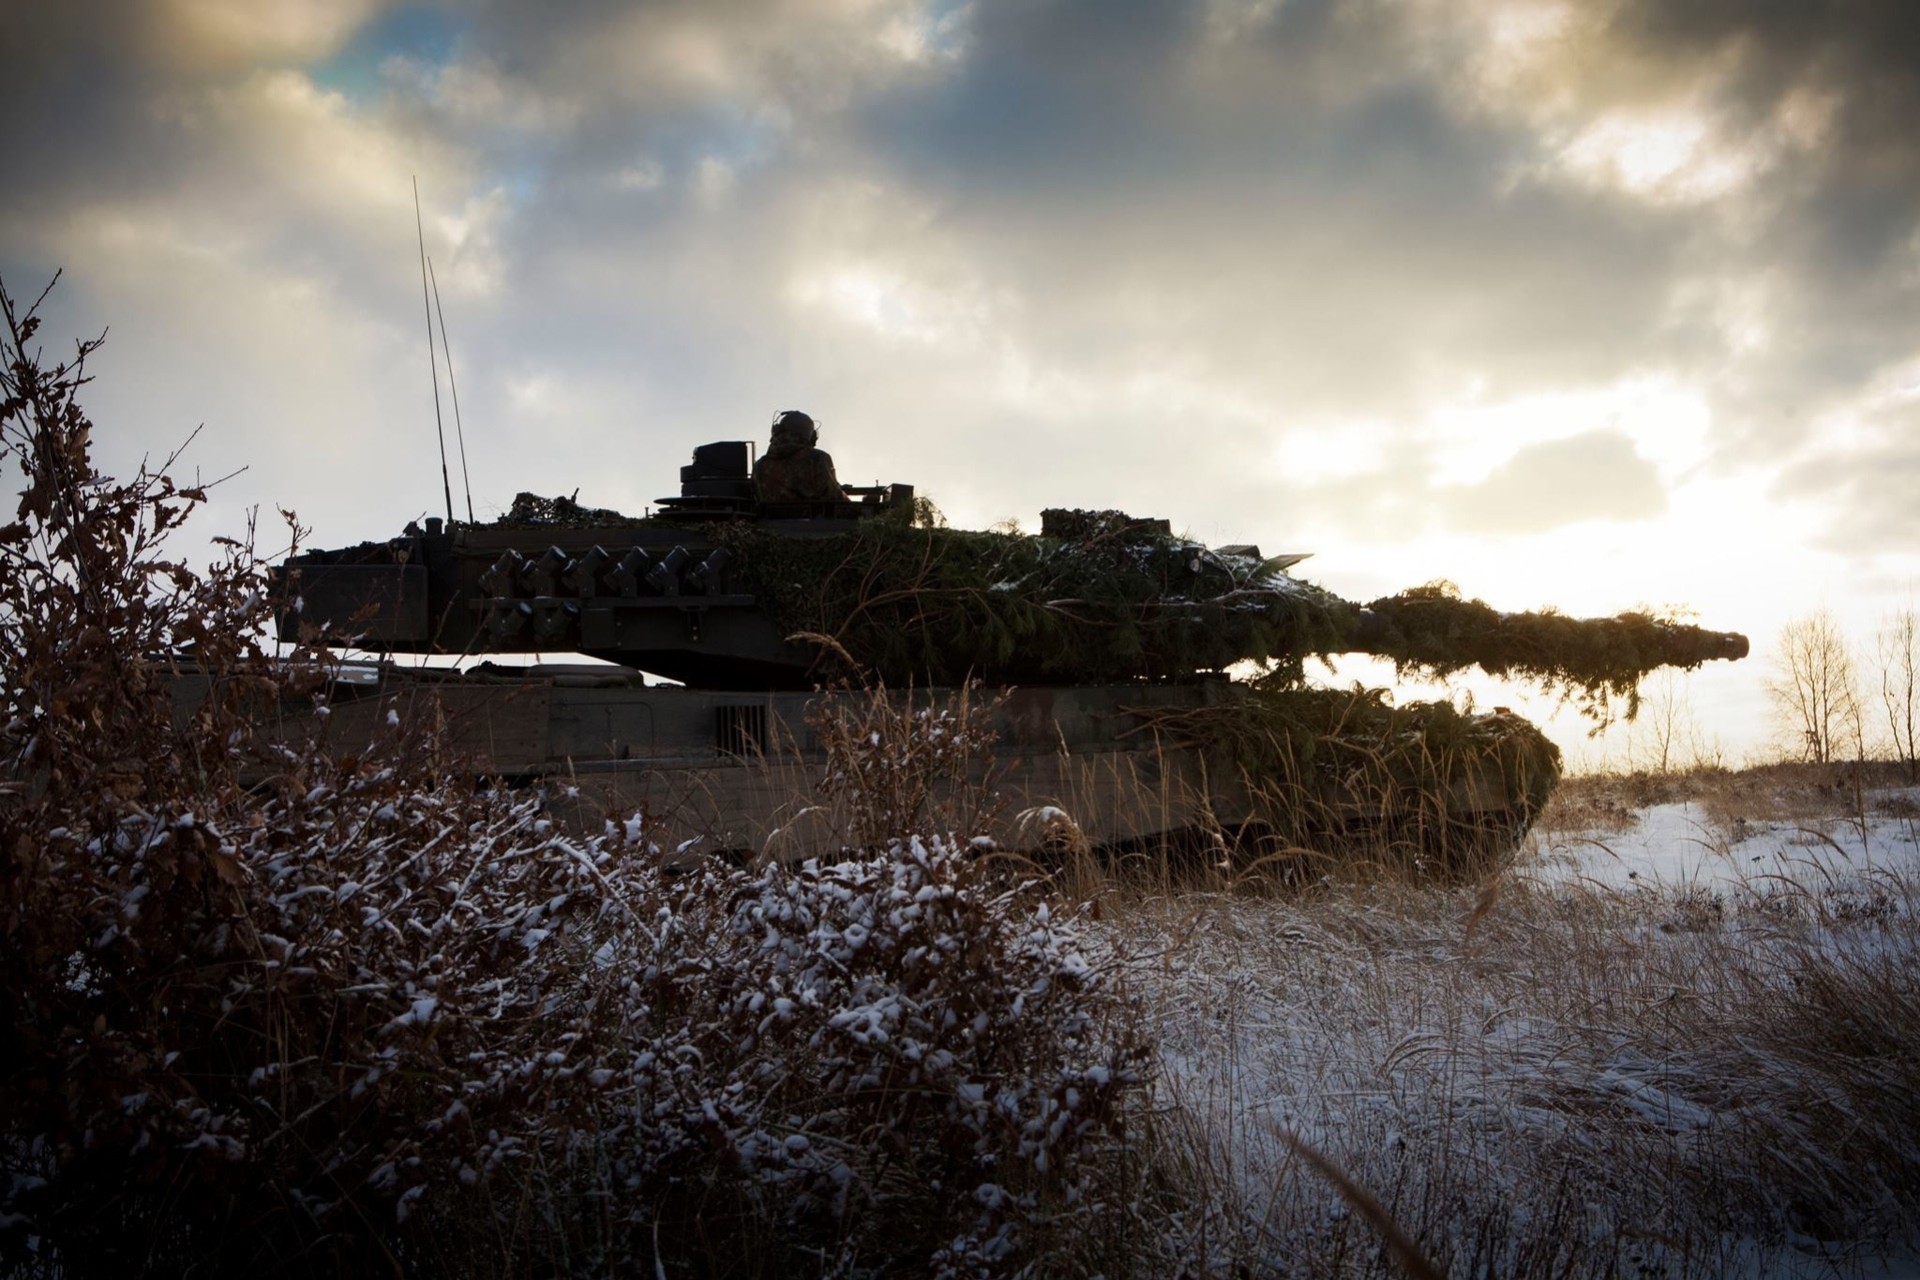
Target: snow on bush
[{"x": 369, "y": 1012}]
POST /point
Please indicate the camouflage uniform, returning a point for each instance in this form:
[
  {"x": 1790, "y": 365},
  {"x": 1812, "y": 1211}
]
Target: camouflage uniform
[{"x": 792, "y": 470}]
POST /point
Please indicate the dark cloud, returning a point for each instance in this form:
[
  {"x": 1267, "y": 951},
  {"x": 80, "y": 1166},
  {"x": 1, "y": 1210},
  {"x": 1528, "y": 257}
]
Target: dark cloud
[
  {"x": 1834, "y": 225},
  {"x": 1292, "y": 205},
  {"x": 1864, "y": 53},
  {"x": 74, "y": 85},
  {"x": 1341, "y": 235}
]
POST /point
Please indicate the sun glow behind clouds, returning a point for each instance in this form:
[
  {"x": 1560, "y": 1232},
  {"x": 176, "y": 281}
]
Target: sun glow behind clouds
[
  {"x": 933, "y": 34},
  {"x": 874, "y": 298},
  {"x": 237, "y": 33},
  {"x": 1668, "y": 422},
  {"x": 1320, "y": 454},
  {"x": 1669, "y": 157}
]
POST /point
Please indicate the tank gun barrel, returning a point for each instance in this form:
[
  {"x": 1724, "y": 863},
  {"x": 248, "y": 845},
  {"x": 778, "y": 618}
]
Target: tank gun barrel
[
  {"x": 1432, "y": 631},
  {"x": 1375, "y": 632}
]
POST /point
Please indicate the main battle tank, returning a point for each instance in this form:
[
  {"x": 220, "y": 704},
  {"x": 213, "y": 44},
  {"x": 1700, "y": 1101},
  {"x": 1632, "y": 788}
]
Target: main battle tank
[{"x": 1153, "y": 693}]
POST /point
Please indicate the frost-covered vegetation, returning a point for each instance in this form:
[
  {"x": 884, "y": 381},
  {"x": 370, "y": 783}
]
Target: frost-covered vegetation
[
  {"x": 367, "y": 1016},
  {"x": 1099, "y": 597},
  {"x": 1679, "y": 1040}
]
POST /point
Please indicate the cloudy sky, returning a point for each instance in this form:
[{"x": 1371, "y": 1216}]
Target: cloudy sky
[{"x": 1597, "y": 303}]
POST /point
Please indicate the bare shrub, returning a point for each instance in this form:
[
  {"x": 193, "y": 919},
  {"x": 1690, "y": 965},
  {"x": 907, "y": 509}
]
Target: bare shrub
[
  {"x": 1898, "y": 649},
  {"x": 1667, "y": 737},
  {"x": 1814, "y": 691},
  {"x": 370, "y": 1016},
  {"x": 902, "y": 763}
]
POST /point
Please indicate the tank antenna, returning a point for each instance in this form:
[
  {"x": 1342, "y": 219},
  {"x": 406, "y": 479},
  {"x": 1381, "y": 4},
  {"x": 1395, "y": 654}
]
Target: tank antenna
[
  {"x": 459, "y": 432},
  {"x": 446, "y": 484}
]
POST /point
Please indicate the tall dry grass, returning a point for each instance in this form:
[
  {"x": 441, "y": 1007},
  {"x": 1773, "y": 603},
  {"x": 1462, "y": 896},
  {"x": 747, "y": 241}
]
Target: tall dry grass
[
  {"x": 1535, "y": 1080},
  {"x": 1778, "y": 791},
  {"x": 364, "y": 1016}
]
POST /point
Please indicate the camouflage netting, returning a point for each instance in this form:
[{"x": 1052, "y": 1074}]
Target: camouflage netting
[
  {"x": 1346, "y": 770},
  {"x": 1103, "y": 597},
  {"x": 935, "y": 606},
  {"x": 1431, "y": 631},
  {"x": 531, "y": 511}
]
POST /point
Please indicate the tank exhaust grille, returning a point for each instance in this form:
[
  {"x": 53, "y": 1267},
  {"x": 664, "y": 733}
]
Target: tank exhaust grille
[{"x": 740, "y": 731}]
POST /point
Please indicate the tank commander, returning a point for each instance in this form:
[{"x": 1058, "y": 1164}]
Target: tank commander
[{"x": 792, "y": 470}]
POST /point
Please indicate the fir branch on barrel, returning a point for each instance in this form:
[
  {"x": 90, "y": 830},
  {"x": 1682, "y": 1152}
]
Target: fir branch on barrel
[{"x": 1100, "y": 597}]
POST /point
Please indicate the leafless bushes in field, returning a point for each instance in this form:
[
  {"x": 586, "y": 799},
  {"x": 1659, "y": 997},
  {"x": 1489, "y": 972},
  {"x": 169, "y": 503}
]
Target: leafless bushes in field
[
  {"x": 1824, "y": 709},
  {"x": 1815, "y": 693},
  {"x": 1542, "y": 1081},
  {"x": 369, "y": 1016},
  {"x": 1897, "y": 648}
]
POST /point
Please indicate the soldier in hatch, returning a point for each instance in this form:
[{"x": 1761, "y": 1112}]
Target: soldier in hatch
[{"x": 792, "y": 470}]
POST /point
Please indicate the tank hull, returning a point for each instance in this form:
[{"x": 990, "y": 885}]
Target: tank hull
[{"x": 1088, "y": 767}]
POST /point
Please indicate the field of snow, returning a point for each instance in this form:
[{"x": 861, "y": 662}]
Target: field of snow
[
  {"x": 1681, "y": 1041},
  {"x": 1686, "y": 846}
]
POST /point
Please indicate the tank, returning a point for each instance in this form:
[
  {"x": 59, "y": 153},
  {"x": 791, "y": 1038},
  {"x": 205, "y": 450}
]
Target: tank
[{"x": 1145, "y": 691}]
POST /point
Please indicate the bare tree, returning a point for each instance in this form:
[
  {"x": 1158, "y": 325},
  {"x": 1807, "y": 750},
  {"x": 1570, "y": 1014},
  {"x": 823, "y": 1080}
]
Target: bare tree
[
  {"x": 1813, "y": 689},
  {"x": 1899, "y": 653},
  {"x": 1667, "y": 721}
]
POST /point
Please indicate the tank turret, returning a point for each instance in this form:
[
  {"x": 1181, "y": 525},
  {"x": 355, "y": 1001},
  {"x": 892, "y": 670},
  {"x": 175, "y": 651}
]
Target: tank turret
[
  {"x": 661, "y": 593},
  {"x": 718, "y": 590}
]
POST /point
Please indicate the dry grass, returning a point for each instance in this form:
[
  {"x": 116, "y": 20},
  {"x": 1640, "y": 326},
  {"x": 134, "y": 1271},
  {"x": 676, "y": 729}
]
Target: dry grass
[
  {"x": 1786, "y": 791},
  {"x": 1535, "y": 1080}
]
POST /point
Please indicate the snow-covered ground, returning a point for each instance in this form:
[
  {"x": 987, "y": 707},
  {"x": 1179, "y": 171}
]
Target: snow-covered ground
[
  {"x": 1609, "y": 1063},
  {"x": 1691, "y": 845}
]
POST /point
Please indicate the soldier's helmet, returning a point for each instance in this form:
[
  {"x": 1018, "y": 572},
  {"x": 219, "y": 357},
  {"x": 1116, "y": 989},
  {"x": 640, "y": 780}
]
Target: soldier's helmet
[{"x": 794, "y": 427}]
